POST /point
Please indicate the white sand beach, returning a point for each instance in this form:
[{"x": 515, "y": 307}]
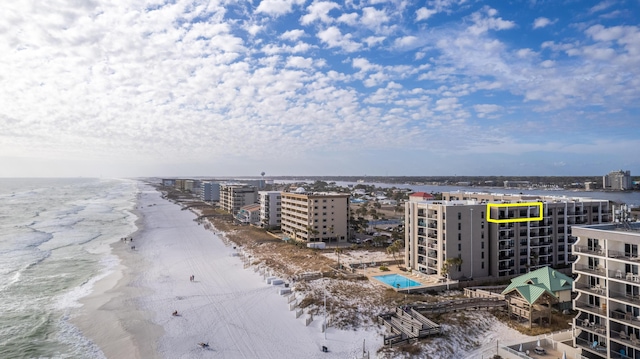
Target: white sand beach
[{"x": 231, "y": 308}]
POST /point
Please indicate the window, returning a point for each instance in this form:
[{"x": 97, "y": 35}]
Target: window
[
  {"x": 482, "y": 225},
  {"x": 459, "y": 216},
  {"x": 324, "y": 200},
  {"x": 482, "y": 214},
  {"x": 459, "y": 246},
  {"x": 481, "y": 265},
  {"x": 459, "y": 226},
  {"x": 481, "y": 255},
  {"x": 459, "y": 236},
  {"x": 482, "y": 245},
  {"x": 324, "y": 207}
]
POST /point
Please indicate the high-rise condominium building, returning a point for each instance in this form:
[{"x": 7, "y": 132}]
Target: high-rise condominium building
[
  {"x": 235, "y": 196},
  {"x": 315, "y": 217},
  {"x": 617, "y": 180},
  {"x": 506, "y": 249},
  {"x": 608, "y": 290},
  {"x": 270, "y": 208}
]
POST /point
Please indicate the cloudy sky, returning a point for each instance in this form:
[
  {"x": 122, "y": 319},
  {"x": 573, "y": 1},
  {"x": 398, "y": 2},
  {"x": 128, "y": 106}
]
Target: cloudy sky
[{"x": 299, "y": 87}]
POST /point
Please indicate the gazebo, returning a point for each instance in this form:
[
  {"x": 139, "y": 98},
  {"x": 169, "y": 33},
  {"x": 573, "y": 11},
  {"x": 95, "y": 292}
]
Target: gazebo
[{"x": 531, "y": 295}]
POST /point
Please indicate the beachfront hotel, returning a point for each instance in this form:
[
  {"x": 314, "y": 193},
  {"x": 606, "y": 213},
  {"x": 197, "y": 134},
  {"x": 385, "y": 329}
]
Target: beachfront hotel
[
  {"x": 234, "y": 196},
  {"x": 608, "y": 290},
  {"x": 314, "y": 216},
  {"x": 457, "y": 226}
]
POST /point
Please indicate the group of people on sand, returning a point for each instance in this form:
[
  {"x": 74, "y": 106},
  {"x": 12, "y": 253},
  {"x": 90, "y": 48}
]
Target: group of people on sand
[
  {"x": 201, "y": 344},
  {"x": 192, "y": 278},
  {"x": 124, "y": 239}
]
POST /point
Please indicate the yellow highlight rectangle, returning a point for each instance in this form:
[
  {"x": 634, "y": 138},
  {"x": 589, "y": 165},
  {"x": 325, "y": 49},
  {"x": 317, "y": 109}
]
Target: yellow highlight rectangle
[{"x": 513, "y": 220}]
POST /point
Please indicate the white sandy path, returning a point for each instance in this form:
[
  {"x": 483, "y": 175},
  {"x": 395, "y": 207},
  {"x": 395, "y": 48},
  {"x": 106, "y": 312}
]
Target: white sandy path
[{"x": 230, "y": 307}]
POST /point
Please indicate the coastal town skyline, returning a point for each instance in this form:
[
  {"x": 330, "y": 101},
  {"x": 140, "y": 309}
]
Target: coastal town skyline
[{"x": 295, "y": 87}]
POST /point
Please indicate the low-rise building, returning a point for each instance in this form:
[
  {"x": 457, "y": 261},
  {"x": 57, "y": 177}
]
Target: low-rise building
[
  {"x": 531, "y": 295},
  {"x": 249, "y": 214}
]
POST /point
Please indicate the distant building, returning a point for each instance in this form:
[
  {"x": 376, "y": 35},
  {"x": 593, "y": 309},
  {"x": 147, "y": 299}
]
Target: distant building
[
  {"x": 210, "y": 191},
  {"x": 617, "y": 181},
  {"x": 420, "y": 196},
  {"x": 235, "y": 196},
  {"x": 270, "y": 208},
  {"x": 168, "y": 182},
  {"x": 315, "y": 217},
  {"x": 517, "y": 184}
]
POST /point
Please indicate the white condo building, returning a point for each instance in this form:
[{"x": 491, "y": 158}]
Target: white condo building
[
  {"x": 235, "y": 196},
  {"x": 270, "y": 208},
  {"x": 608, "y": 290}
]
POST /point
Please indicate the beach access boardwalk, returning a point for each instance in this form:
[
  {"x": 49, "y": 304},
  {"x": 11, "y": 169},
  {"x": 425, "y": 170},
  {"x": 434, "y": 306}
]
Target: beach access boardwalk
[{"x": 409, "y": 324}]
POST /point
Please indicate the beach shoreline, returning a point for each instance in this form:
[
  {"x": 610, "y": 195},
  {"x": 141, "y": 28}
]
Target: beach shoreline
[
  {"x": 123, "y": 330},
  {"x": 128, "y": 313}
]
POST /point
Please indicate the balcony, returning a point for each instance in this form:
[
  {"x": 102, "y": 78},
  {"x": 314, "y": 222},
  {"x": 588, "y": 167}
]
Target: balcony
[
  {"x": 590, "y": 269},
  {"x": 591, "y": 308},
  {"x": 597, "y": 250},
  {"x": 594, "y": 290},
  {"x": 627, "y": 318},
  {"x": 593, "y": 327},
  {"x": 599, "y": 348}
]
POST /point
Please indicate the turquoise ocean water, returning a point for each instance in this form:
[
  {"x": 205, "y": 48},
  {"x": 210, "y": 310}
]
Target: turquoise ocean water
[{"x": 54, "y": 245}]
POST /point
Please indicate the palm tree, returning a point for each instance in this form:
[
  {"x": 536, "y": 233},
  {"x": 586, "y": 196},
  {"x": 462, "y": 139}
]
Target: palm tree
[
  {"x": 450, "y": 263},
  {"x": 338, "y": 251},
  {"x": 393, "y": 249}
]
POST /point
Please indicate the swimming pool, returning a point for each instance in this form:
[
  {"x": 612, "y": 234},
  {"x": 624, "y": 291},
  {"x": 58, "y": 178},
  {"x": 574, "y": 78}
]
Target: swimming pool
[{"x": 397, "y": 281}]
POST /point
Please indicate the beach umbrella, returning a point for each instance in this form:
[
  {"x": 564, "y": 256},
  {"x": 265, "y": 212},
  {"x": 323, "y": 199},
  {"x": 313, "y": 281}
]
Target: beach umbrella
[
  {"x": 564, "y": 355},
  {"x": 520, "y": 350}
]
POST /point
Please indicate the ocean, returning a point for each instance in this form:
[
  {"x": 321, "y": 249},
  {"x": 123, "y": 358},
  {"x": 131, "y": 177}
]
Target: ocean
[{"x": 54, "y": 245}]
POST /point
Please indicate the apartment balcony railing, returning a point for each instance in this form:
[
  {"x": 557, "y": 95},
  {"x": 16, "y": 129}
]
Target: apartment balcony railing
[
  {"x": 598, "y": 348},
  {"x": 626, "y": 297},
  {"x": 590, "y": 269},
  {"x": 627, "y": 318},
  {"x": 594, "y": 290},
  {"x": 623, "y": 255},
  {"x": 593, "y": 327},
  {"x": 593, "y": 309},
  {"x": 626, "y": 341},
  {"x": 589, "y": 250}
]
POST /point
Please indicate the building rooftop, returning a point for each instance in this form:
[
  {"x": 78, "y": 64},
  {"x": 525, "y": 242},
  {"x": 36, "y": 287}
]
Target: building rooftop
[{"x": 632, "y": 228}]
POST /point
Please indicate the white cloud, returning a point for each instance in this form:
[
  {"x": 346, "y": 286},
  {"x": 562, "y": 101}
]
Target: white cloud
[
  {"x": 373, "y": 18},
  {"x": 334, "y": 38},
  {"x": 482, "y": 23},
  {"x": 319, "y": 10},
  {"x": 423, "y": 13},
  {"x": 486, "y": 110},
  {"x": 292, "y": 35},
  {"x": 602, "y": 6},
  {"x": 541, "y": 22},
  {"x": 277, "y": 7},
  {"x": 349, "y": 19}
]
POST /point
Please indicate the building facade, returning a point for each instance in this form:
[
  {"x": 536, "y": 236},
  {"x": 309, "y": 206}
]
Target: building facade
[
  {"x": 510, "y": 249},
  {"x": 617, "y": 181},
  {"x": 270, "y": 208},
  {"x": 235, "y": 196},
  {"x": 210, "y": 191},
  {"x": 249, "y": 214},
  {"x": 608, "y": 290},
  {"x": 437, "y": 231},
  {"x": 315, "y": 217}
]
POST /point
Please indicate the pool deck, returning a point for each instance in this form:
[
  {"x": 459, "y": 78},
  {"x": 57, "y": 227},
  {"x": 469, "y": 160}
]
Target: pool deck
[{"x": 426, "y": 282}]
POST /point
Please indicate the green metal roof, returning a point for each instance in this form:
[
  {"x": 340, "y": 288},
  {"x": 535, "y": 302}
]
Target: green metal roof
[{"x": 532, "y": 285}]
